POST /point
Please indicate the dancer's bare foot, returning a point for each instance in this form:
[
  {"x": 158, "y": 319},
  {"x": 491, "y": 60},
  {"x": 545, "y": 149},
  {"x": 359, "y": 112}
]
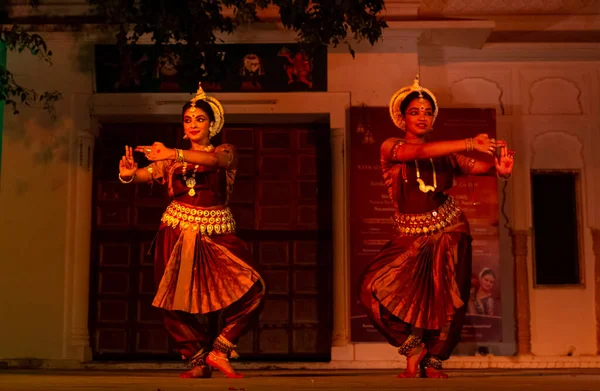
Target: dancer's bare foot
[
  {"x": 197, "y": 372},
  {"x": 220, "y": 361},
  {"x": 433, "y": 373},
  {"x": 412, "y": 362}
]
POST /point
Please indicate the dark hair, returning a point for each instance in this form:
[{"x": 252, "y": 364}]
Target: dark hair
[
  {"x": 412, "y": 96},
  {"x": 202, "y": 105}
]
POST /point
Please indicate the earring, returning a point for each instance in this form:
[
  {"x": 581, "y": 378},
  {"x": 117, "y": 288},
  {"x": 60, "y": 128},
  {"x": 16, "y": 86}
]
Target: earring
[{"x": 185, "y": 136}]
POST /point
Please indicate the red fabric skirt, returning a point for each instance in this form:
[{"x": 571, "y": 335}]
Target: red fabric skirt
[
  {"x": 413, "y": 277},
  {"x": 200, "y": 273}
]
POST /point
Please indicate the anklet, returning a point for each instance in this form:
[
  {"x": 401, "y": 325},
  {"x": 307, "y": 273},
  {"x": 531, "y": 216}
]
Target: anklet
[
  {"x": 411, "y": 342},
  {"x": 431, "y": 362},
  {"x": 217, "y": 357}
]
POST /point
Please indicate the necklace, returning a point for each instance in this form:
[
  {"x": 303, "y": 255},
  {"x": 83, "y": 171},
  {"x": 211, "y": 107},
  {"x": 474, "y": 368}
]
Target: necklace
[
  {"x": 207, "y": 148},
  {"x": 422, "y": 186},
  {"x": 191, "y": 181}
]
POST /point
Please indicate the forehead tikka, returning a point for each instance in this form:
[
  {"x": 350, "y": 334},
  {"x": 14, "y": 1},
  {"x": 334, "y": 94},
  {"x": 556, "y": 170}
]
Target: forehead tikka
[
  {"x": 402, "y": 93},
  {"x": 421, "y": 100}
]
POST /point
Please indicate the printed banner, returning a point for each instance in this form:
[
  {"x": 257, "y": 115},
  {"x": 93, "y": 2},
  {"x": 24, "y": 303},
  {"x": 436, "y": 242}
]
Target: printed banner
[
  {"x": 371, "y": 212},
  {"x": 223, "y": 68}
]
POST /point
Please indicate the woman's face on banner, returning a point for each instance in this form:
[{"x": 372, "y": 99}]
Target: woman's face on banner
[{"x": 487, "y": 282}]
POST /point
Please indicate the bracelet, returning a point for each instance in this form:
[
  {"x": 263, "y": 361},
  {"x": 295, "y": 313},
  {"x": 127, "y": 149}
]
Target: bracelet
[
  {"x": 470, "y": 144},
  {"x": 179, "y": 158},
  {"x": 124, "y": 181},
  {"x": 504, "y": 178}
]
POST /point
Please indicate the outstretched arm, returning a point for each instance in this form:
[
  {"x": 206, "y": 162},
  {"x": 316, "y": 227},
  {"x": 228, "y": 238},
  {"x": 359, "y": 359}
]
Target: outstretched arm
[
  {"x": 212, "y": 160},
  {"x": 397, "y": 150}
]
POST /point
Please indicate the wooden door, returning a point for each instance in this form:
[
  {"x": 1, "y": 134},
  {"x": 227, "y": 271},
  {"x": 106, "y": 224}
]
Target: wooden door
[
  {"x": 281, "y": 202},
  {"x": 123, "y": 324}
]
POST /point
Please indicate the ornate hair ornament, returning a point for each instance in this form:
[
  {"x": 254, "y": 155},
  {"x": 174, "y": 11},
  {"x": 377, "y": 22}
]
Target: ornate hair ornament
[
  {"x": 399, "y": 97},
  {"x": 216, "y": 107}
]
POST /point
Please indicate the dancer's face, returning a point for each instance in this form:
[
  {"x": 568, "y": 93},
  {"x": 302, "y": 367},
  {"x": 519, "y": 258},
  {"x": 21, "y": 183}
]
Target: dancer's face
[
  {"x": 418, "y": 117},
  {"x": 196, "y": 125}
]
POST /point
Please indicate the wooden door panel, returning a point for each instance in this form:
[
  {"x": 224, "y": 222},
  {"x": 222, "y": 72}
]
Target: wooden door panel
[
  {"x": 152, "y": 340},
  {"x": 246, "y": 167},
  {"x": 144, "y": 256},
  {"x": 244, "y": 216},
  {"x": 148, "y": 314},
  {"x": 113, "y": 214},
  {"x": 293, "y": 240},
  {"x": 272, "y": 140},
  {"x": 273, "y": 253},
  {"x": 147, "y": 284},
  {"x": 113, "y": 283},
  {"x": 247, "y": 344},
  {"x": 307, "y": 165},
  {"x": 276, "y": 167},
  {"x": 305, "y": 281},
  {"x": 111, "y": 340},
  {"x": 112, "y": 311},
  {"x": 277, "y": 281},
  {"x": 243, "y": 192},
  {"x": 115, "y": 254},
  {"x": 241, "y": 137}
]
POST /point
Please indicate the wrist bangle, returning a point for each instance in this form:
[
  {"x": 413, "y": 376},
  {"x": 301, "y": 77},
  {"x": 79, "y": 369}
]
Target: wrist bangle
[
  {"x": 503, "y": 177},
  {"x": 179, "y": 156},
  {"x": 470, "y": 145},
  {"x": 124, "y": 181}
]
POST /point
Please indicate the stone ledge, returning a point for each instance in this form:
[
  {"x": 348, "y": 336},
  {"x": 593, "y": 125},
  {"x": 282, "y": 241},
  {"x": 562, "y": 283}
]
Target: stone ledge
[{"x": 455, "y": 363}]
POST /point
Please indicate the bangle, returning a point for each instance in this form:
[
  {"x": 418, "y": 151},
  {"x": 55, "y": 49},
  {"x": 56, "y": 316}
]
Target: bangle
[
  {"x": 470, "y": 144},
  {"x": 124, "y": 181},
  {"x": 179, "y": 158},
  {"x": 502, "y": 177}
]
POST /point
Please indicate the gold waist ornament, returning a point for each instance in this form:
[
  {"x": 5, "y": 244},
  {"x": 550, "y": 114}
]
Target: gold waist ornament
[
  {"x": 209, "y": 221},
  {"x": 430, "y": 222}
]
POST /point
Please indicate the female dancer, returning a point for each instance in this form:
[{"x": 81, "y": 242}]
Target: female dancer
[
  {"x": 200, "y": 265},
  {"x": 416, "y": 288}
]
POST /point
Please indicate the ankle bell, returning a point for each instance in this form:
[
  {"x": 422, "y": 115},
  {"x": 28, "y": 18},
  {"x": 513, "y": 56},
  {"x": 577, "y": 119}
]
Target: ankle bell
[{"x": 411, "y": 342}]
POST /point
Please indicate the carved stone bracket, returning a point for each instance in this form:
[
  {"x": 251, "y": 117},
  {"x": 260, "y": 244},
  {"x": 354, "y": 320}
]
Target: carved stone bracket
[{"x": 520, "y": 240}]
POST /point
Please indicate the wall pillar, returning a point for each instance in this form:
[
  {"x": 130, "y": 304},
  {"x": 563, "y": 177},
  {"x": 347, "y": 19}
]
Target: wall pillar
[
  {"x": 520, "y": 240},
  {"x": 76, "y": 340},
  {"x": 341, "y": 275},
  {"x": 596, "y": 247}
]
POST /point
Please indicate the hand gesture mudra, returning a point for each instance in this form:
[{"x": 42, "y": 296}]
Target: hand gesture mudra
[
  {"x": 505, "y": 162},
  {"x": 127, "y": 166},
  {"x": 483, "y": 143},
  {"x": 154, "y": 152}
]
